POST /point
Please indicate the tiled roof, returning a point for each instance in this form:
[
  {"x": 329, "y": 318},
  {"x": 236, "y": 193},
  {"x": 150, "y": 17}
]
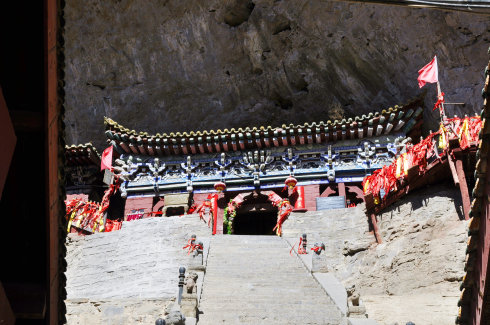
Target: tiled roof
[
  {"x": 470, "y": 289},
  {"x": 81, "y": 155},
  {"x": 404, "y": 118}
]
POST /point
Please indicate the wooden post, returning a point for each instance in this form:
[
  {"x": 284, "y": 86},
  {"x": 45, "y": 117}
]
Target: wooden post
[
  {"x": 453, "y": 169},
  {"x": 214, "y": 211},
  {"x": 463, "y": 187},
  {"x": 53, "y": 164},
  {"x": 374, "y": 222},
  {"x": 342, "y": 191}
]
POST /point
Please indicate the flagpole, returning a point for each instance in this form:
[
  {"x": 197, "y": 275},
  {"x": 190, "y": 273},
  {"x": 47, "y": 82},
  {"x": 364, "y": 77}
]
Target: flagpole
[{"x": 443, "y": 115}]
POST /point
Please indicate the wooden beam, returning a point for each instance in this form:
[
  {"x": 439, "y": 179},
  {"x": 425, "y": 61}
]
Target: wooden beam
[
  {"x": 453, "y": 170},
  {"x": 463, "y": 187}
]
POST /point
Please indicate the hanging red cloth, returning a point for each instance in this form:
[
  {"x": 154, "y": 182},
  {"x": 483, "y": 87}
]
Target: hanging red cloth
[
  {"x": 438, "y": 104},
  {"x": 284, "y": 210},
  {"x": 191, "y": 246},
  {"x": 300, "y": 249}
]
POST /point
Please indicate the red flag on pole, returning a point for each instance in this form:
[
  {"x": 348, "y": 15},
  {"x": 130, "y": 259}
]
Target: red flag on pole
[
  {"x": 428, "y": 74},
  {"x": 106, "y": 160}
]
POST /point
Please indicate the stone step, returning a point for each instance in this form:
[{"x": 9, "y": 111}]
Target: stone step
[
  {"x": 252, "y": 308},
  {"x": 257, "y": 284},
  {"x": 288, "y": 313},
  {"x": 260, "y": 300},
  {"x": 257, "y": 309},
  {"x": 263, "y": 295},
  {"x": 254, "y": 280},
  {"x": 270, "y": 319}
]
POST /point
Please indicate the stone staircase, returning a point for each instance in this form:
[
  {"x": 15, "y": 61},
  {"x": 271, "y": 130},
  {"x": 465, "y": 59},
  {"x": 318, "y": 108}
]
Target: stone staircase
[
  {"x": 254, "y": 280},
  {"x": 343, "y": 231}
]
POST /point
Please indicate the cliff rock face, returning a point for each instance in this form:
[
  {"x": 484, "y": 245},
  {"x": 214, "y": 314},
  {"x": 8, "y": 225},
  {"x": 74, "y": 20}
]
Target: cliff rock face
[
  {"x": 415, "y": 273},
  {"x": 170, "y": 65}
]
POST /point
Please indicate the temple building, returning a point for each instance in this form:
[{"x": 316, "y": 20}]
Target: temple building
[{"x": 313, "y": 166}]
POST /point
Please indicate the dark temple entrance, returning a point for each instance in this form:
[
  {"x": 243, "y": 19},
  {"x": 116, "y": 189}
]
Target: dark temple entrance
[{"x": 257, "y": 216}]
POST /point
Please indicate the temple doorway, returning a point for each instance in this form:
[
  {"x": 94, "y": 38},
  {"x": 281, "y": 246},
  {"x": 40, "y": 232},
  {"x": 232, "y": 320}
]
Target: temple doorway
[{"x": 256, "y": 216}]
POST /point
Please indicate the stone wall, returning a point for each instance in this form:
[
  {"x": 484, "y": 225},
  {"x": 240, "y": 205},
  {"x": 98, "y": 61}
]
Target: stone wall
[
  {"x": 128, "y": 276},
  {"x": 138, "y": 203},
  {"x": 171, "y": 65}
]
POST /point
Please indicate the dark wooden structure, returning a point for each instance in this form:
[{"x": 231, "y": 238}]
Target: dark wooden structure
[
  {"x": 31, "y": 205},
  {"x": 474, "y": 302}
]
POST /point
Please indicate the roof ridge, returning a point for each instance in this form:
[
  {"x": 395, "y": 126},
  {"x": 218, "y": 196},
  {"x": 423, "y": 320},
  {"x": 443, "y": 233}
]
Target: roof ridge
[{"x": 111, "y": 124}]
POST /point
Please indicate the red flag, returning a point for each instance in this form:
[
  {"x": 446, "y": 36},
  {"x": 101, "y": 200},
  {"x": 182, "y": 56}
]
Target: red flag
[
  {"x": 428, "y": 73},
  {"x": 106, "y": 160}
]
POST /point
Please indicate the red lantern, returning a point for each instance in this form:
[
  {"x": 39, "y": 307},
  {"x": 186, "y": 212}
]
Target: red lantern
[
  {"x": 220, "y": 186},
  {"x": 291, "y": 182}
]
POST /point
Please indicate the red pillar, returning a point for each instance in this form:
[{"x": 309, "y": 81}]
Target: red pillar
[
  {"x": 299, "y": 205},
  {"x": 214, "y": 207},
  {"x": 342, "y": 191}
]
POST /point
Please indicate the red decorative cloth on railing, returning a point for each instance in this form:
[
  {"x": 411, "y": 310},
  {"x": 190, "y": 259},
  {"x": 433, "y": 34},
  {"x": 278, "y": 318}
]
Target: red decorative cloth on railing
[
  {"x": 134, "y": 216},
  {"x": 205, "y": 208},
  {"x": 465, "y": 129},
  {"x": 300, "y": 249},
  {"x": 191, "y": 246},
  {"x": 112, "y": 225},
  {"x": 89, "y": 215},
  {"x": 388, "y": 177},
  {"x": 192, "y": 209},
  {"x": 316, "y": 249}
]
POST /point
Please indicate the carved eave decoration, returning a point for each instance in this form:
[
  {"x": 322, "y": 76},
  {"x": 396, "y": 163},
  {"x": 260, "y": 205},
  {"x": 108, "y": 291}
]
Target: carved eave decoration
[{"x": 402, "y": 119}]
